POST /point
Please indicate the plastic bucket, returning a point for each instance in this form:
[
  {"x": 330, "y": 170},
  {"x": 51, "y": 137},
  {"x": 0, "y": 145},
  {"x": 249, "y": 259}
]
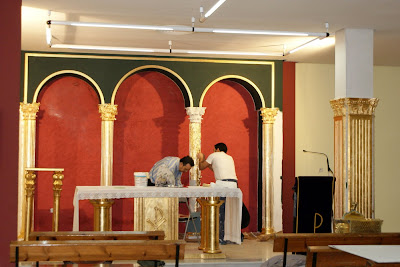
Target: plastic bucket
[{"x": 141, "y": 178}]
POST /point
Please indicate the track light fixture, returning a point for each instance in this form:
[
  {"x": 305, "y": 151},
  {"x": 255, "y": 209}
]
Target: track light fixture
[
  {"x": 158, "y": 50},
  {"x": 209, "y": 12},
  {"x": 318, "y": 35},
  {"x": 184, "y": 28}
]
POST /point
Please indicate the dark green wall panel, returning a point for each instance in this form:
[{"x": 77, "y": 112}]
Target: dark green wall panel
[{"x": 107, "y": 70}]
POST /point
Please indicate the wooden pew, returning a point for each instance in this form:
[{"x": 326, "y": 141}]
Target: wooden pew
[
  {"x": 289, "y": 242},
  {"x": 96, "y": 250},
  {"x": 98, "y": 235},
  {"x": 327, "y": 256}
]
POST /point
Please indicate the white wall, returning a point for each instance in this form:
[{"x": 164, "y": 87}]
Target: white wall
[
  {"x": 314, "y": 131},
  {"x": 387, "y": 147},
  {"x": 315, "y": 86}
]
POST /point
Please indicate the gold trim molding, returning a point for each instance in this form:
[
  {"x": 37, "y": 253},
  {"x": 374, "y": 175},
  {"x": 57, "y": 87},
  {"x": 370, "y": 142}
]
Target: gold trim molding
[
  {"x": 29, "y": 111},
  {"x": 354, "y": 106},
  {"x": 268, "y": 115},
  {"x": 227, "y": 77},
  {"x": 108, "y": 112}
]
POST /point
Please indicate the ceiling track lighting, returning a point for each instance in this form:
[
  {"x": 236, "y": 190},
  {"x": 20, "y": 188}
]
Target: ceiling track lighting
[
  {"x": 313, "y": 41},
  {"x": 211, "y": 11},
  {"x": 184, "y": 28},
  {"x": 318, "y": 35},
  {"x": 158, "y": 50}
]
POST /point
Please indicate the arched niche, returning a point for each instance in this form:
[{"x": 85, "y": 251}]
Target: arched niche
[
  {"x": 68, "y": 136},
  {"x": 232, "y": 117},
  {"x": 72, "y": 73},
  {"x": 183, "y": 87},
  {"x": 151, "y": 124},
  {"x": 251, "y": 87}
]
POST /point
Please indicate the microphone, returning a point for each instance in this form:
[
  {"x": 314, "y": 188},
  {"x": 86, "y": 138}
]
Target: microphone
[{"x": 327, "y": 160}]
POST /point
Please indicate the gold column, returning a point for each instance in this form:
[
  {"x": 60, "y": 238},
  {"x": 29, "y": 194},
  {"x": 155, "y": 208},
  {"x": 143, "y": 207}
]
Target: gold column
[
  {"x": 268, "y": 118},
  {"x": 58, "y": 176},
  {"x": 108, "y": 113},
  {"x": 195, "y": 117},
  {"x": 102, "y": 207},
  {"x": 30, "y": 181},
  {"x": 354, "y": 154},
  {"x": 26, "y": 157}
]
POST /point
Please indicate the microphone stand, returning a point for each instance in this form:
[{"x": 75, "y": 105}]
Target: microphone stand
[{"x": 327, "y": 160}]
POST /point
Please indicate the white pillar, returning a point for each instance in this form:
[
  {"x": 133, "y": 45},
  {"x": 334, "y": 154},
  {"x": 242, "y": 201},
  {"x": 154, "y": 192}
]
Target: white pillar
[{"x": 354, "y": 63}]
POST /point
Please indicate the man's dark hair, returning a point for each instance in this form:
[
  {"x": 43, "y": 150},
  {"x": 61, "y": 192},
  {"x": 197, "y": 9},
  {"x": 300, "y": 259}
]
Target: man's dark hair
[
  {"x": 222, "y": 147},
  {"x": 187, "y": 160}
]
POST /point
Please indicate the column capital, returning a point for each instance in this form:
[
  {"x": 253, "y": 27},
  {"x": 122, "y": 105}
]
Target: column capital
[
  {"x": 195, "y": 113},
  {"x": 354, "y": 106},
  {"x": 29, "y": 110},
  {"x": 108, "y": 112},
  {"x": 268, "y": 115}
]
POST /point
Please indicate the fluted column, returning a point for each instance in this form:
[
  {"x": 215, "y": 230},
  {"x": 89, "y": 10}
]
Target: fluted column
[
  {"x": 26, "y": 157},
  {"x": 195, "y": 117},
  {"x": 108, "y": 112},
  {"x": 354, "y": 154},
  {"x": 268, "y": 117}
]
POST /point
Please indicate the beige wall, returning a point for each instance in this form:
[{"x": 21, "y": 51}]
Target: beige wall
[{"x": 315, "y": 86}]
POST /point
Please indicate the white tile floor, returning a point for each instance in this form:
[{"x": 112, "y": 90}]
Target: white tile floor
[{"x": 250, "y": 253}]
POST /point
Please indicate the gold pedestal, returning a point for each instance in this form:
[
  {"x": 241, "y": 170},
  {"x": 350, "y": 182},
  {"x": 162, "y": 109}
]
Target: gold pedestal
[
  {"x": 102, "y": 214},
  {"x": 211, "y": 216}
]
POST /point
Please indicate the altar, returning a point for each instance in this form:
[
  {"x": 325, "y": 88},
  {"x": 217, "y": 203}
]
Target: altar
[{"x": 233, "y": 195}]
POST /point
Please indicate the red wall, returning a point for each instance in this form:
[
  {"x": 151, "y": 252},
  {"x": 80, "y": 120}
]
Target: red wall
[
  {"x": 10, "y": 55},
  {"x": 231, "y": 118},
  {"x": 151, "y": 124},
  {"x": 69, "y": 137},
  {"x": 288, "y": 168}
]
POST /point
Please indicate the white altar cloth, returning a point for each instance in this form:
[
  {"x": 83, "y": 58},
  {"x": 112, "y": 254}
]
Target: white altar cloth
[{"x": 115, "y": 192}]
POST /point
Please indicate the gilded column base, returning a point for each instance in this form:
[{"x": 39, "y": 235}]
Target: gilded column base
[
  {"x": 266, "y": 234},
  {"x": 102, "y": 214},
  {"x": 202, "y": 202},
  {"x": 211, "y": 217}
]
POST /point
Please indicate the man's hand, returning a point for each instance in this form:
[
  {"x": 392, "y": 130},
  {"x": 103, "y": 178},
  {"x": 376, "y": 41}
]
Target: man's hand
[
  {"x": 200, "y": 156},
  {"x": 202, "y": 162}
]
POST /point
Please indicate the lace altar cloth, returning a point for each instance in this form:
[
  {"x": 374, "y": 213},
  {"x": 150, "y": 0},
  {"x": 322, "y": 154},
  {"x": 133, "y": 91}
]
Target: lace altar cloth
[{"x": 117, "y": 192}]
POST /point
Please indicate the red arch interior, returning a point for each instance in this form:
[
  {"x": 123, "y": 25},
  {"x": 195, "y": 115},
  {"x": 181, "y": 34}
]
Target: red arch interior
[
  {"x": 231, "y": 118},
  {"x": 69, "y": 137},
  {"x": 151, "y": 124}
]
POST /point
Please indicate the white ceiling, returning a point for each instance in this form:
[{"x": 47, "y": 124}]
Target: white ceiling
[{"x": 286, "y": 15}]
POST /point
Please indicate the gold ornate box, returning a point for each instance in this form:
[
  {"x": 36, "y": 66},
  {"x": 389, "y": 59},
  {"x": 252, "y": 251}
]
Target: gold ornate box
[
  {"x": 355, "y": 222},
  {"x": 358, "y": 226}
]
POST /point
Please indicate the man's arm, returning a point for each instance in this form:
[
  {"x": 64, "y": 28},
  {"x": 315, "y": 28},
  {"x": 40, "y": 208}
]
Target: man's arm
[{"x": 203, "y": 164}]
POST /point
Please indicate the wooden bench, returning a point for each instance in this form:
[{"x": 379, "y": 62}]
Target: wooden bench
[
  {"x": 300, "y": 242},
  {"x": 96, "y": 250},
  {"x": 98, "y": 235},
  {"x": 327, "y": 256}
]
